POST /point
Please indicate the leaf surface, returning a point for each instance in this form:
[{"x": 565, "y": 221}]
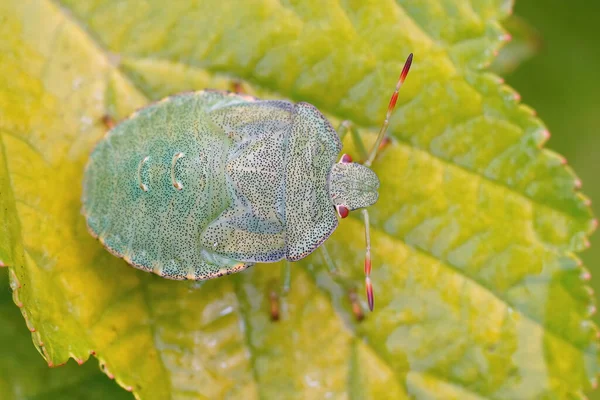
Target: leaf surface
[
  {"x": 479, "y": 293},
  {"x": 24, "y": 375}
]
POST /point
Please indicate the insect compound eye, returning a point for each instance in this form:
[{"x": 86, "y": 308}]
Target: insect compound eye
[
  {"x": 342, "y": 211},
  {"x": 346, "y": 159}
]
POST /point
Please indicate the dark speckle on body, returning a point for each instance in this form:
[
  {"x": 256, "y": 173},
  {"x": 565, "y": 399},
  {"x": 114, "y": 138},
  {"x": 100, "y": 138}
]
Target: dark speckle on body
[{"x": 205, "y": 184}]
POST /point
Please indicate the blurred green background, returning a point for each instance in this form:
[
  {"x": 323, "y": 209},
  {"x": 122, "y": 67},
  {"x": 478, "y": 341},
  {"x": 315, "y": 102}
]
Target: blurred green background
[{"x": 561, "y": 82}]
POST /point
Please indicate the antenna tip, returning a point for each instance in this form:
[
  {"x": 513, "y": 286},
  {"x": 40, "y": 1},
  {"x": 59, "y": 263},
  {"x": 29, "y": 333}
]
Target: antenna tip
[{"x": 406, "y": 68}]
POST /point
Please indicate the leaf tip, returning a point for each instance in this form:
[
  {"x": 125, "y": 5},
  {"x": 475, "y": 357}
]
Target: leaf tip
[
  {"x": 51, "y": 363},
  {"x": 585, "y": 275},
  {"x": 563, "y": 160},
  {"x": 546, "y": 134},
  {"x": 542, "y": 136},
  {"x": 591, "y": 310},
  {"x": 104, "y": 369},
  {"x": 80, "y": 360}
]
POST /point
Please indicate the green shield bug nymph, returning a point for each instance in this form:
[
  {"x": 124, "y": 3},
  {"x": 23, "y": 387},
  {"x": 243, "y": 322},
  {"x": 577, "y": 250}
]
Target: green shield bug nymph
[{"x": 208, "y": 183}]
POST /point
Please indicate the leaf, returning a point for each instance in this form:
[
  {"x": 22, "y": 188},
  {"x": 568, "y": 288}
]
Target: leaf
[
  {"x": 479, "y": 293},
  {"x": 525, "y": 43},
  {"x": 23, "y": 375}
]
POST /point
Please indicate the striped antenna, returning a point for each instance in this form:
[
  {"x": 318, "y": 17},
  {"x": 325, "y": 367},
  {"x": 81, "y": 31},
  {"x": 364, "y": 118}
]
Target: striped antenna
[
  {"x": 386, "y": 122},
  {"x": 368, "y": 260},
  {"x": 368, "y": 163}
]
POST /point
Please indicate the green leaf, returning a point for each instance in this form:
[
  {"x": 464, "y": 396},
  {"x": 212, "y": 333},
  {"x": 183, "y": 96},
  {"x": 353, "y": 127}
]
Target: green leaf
[
  {"x": 24, "y": 375},
  {"x": 479, "y": 293},
  {"x": 525, "y": 42}
]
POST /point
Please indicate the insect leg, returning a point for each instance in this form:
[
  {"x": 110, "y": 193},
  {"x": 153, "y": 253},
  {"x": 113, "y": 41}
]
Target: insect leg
[
  {"x": 328, "y": 261},
  {"x": 286, "y": 277},
  {"x": 277, "y": 297},
  {"x": 355, "y": 304},
  {"x": 347, "y": 126},
  {"x": 343, "y": 129},
  {"x": 108, "y": 121},
  {"x": 356, "y": 309},
  {"x": 274, "y": 304},
  {"x": 237, "y": 87}
]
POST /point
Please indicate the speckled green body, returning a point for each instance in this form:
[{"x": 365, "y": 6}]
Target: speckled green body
[{"x": 204, "y": 184}]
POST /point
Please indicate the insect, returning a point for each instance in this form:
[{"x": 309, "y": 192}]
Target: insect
[{"x": 208, "y": 183}]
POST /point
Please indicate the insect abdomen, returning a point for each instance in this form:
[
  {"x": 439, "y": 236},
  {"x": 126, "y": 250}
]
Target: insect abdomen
[{"x": 154, "y": 183}]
